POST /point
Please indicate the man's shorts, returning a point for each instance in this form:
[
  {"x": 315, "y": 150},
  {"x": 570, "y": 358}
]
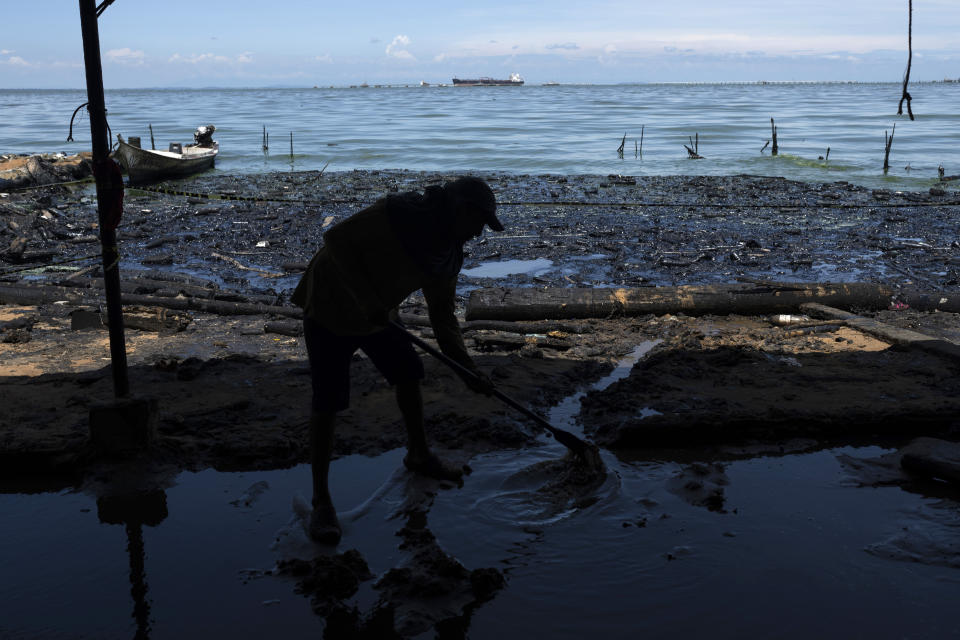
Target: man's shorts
[{"x": 330, "y": 355}]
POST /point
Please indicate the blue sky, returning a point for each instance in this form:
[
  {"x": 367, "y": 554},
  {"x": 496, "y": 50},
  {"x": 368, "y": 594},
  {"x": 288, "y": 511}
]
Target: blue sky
[{"x": 308, "y": 43}]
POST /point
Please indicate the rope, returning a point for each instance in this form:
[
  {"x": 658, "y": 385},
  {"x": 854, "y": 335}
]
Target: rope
[
  {"x": 50, "y": 185},
  {"x": 227, "y": 196}
]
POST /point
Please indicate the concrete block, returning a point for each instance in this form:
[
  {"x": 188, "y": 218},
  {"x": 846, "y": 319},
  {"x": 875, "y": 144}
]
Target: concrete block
[
  {"x": 125, "y": 425},
  {"x": 81, "y": 319}
]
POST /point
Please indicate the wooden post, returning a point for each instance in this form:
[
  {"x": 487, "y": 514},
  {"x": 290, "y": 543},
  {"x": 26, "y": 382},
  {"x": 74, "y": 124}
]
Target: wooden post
[
  {"x": 641, "y": 140},
  {"x": 153, "y": 145},
  {"x": 101, "y": 159},
  {"x": 773, "y": 134},
  {"x": 888, "y": 141},
  {"x": 291, "y": 145},
  {"x": 266, "y": 138},
  {"x": 622, "y": 142}
]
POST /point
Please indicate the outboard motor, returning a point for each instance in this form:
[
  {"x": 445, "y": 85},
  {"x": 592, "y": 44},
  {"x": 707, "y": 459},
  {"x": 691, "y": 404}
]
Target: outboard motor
[{"x": 203, "y": 136}]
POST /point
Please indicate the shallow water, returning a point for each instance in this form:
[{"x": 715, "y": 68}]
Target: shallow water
[
  {"x": 788, "y": 554},
  {"x": 788, "y": 559},
  {"x": 570, "y": 129}
]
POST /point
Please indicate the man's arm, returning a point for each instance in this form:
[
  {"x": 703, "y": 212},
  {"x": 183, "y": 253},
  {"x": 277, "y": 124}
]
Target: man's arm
[
  {"x": 440, "y": 306},
  {"x": 440, "y": 297}
]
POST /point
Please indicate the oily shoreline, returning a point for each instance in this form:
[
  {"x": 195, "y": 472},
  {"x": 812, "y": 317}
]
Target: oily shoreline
[{"x": 234, "y": 395}]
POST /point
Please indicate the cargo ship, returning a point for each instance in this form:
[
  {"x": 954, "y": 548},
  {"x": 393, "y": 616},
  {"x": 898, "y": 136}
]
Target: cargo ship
[{"x": 514, "y": 81}]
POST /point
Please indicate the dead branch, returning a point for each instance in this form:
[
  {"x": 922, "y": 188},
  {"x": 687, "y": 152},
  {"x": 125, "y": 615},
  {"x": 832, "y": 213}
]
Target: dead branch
[{"x": 906, "y": 75}]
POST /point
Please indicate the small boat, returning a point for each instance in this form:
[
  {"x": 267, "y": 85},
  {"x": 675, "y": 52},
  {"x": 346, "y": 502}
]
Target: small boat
[
  {"x": 514, "y": 81},
  {"x": 144, "y": 165}
]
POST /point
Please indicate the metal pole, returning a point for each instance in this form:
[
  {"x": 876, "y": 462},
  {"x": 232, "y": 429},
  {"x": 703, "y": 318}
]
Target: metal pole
[{"x": 108, "y": 236}]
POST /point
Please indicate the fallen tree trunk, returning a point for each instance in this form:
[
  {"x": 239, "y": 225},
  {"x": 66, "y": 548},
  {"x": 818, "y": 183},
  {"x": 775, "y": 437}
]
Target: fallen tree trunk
[
  {"x": 50, "y": 295},
  {"x": 743, "y": 299},
  {"x": 495, "y": 308}
]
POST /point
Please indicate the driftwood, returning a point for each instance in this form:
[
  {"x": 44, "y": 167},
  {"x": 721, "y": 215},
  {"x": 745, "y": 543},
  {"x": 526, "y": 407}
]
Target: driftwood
[
  {"x": 499, "y": 309},
  {"x": 514, "y": 343},
  {"x": 284, "y": 327},
  {"x": 555, "y": 304},
  {"x": 49, "y": 295},
  {"x": 240, "y": 265},
  {"x": 155, "y": 319},
  {"x": 525, "y": 328}
]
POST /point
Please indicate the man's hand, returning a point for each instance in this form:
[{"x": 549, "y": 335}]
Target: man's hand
[
  {"x": 379, "y": 318},
  {"x": 479, "y": 383}
]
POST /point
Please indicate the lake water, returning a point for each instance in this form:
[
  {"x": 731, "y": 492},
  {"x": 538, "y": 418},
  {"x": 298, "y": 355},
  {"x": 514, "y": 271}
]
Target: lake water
[{"x": 566, "y": 129}]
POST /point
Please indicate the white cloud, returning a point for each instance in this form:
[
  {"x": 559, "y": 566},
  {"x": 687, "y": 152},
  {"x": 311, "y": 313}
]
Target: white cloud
[
  {"x": 124, "y": 56},
  {"x": 16, "y": 61},
  {"x": 203, "y": 58},
  {"x": 398, "y": 48},
  {"x": 5, "y": 52},
  {"x": 571, "y": 46},
  {"x": 325, "y": 58}
]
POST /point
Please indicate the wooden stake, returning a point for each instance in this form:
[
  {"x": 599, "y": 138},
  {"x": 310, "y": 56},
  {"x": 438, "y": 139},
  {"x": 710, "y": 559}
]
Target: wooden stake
[
  {"x": 641, "y": 140},
  {"x": 622, "y": 142},
  {"x": 152, "y": 143},
  {"x": 889, "y": 144},
  {"x": 773, "y": 134},
  {"x": 693, "y": 151}
]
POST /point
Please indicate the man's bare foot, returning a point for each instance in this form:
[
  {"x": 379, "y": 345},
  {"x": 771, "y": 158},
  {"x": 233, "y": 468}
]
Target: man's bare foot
[
  {"x": 324, "y": 526},
  {"x": 433, "y": 466}
]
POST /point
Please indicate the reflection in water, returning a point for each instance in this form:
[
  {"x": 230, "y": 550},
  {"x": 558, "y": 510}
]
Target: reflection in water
[
  {"x": 133, "y": 511},
  {"x": 425, "y": 588}
]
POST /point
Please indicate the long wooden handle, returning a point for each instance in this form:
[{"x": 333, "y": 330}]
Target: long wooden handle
[{"x": 565, "y": 438}]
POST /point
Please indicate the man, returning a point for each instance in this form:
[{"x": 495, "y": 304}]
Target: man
[{"x": 368, "y": 265}]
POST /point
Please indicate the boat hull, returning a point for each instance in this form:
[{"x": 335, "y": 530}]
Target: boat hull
[
  {"x": 147, "y": 165},
  {"x": 485, "y": 82}
]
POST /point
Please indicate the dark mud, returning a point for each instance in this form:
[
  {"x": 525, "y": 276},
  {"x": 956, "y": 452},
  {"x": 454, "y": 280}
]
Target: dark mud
[{"x": 213, "y": 373}]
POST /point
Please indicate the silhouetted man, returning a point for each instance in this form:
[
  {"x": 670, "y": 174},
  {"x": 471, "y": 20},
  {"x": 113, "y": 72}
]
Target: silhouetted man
[{"x": 368, "y": 265}]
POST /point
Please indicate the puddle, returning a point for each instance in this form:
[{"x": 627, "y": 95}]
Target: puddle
[
  {"x": 784, "y": 537},
  {"x": 504, "y": 268}
]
